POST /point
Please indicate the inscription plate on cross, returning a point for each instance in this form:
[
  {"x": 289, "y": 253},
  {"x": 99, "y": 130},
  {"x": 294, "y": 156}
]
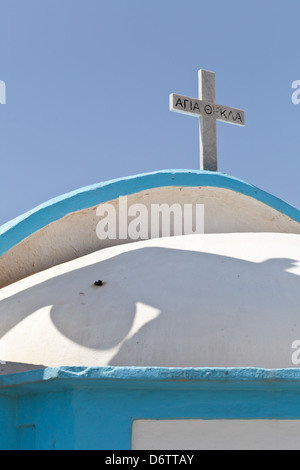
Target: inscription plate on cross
[{"x": 208, "y": 112}]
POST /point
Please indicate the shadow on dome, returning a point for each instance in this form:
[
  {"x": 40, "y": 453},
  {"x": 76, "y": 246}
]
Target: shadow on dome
[{"x": 210, "y": 309}]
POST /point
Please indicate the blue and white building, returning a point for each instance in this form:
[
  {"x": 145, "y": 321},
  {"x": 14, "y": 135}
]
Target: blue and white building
[{"x": 190, "y": 341}]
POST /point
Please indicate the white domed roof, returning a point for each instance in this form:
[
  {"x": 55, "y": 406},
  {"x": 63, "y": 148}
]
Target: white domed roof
[
  {"x": 65, "y": 227},
  {"x": 213, "y": 300}
]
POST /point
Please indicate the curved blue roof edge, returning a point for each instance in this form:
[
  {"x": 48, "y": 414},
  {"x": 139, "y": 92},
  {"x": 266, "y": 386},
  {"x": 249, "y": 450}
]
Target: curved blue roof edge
[{"x": 18, "y": 229}]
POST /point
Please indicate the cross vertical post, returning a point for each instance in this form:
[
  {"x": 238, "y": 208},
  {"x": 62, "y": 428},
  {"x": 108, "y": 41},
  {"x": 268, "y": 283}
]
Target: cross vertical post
[
  {"x": 207, "y": 126},
  {"x": 208, "y": 112}
]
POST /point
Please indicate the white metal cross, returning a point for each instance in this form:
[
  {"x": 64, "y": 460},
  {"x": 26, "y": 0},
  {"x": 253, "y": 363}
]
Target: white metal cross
[{"x": 208, "y": 112}]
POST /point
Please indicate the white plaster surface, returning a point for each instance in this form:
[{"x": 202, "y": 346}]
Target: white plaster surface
[
  {"x": 197, "y": 434},
  {"x": 225, "y": 211},
  {"x": 213, "y": 300}
]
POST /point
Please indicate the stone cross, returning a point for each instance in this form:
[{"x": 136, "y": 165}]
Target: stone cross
[{"x": 208, "y": 112}]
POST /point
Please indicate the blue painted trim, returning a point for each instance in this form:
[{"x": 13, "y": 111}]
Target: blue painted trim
[
  {"x": 148, "y": 375},
  {"x": 25, "y": 225},
  {"x": 94, "y": 407}
]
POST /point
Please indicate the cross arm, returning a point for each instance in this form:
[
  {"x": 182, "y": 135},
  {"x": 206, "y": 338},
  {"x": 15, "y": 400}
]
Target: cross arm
[{"x": 195, "y": 107}]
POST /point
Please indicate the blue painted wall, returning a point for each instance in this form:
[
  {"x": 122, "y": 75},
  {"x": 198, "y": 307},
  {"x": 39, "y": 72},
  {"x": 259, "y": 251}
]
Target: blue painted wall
[
  {"x": 93, "y": 408},
  {"x": 8, "y": 425}
]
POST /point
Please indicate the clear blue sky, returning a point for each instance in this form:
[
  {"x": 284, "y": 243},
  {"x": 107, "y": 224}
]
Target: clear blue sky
[{"x": 88, "y": 85}]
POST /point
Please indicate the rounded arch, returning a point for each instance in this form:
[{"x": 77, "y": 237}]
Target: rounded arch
[{"x": 25, "y": 225}]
